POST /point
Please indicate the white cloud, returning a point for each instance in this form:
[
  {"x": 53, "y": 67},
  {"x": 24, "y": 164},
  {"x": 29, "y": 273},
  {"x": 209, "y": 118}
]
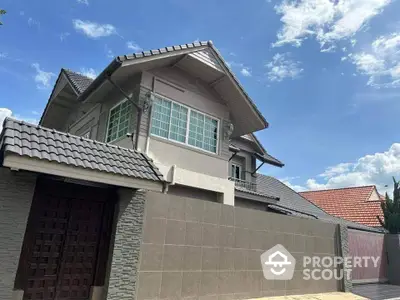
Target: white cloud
[
  {"x": 297, "y": 188},
  {"x": 86, "y": 2},
  {"x": 94, "y": 30},
  {"x": 382, "y": 63},
  {"x": 64, "y": 35},
  {"x": 246, "y": 72},
  {"x": 4, "y": 113},
  {"x": 326, "y": 20},
  {"x": 33, "y": 22},
  {"x": 41, "y": 77},
  {"x": 133, "y": 46},
  {"x": 88, "y": 72},
  {"x": 373, "y": 169},
  {"x": 282, "y": 66}
]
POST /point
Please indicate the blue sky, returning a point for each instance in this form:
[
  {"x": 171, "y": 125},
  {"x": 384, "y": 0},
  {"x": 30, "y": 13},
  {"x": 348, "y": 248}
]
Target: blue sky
[{"x": 326, "y": 74}]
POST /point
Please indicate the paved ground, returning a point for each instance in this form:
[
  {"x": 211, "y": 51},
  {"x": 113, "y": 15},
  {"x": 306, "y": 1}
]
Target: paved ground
[
  {"x": 324, "y": 296},
  {"x": 377, "y": 291}
]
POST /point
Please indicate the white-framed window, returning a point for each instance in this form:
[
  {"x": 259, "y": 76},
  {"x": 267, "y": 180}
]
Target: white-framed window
[
  {"x": 236, "y": 171},
  {"x": 119, "y": 120},
  {"x": 177, "y": 122}
]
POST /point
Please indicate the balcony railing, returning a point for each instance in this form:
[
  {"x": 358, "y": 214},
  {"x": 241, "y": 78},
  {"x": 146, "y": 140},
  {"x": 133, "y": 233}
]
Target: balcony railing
[{"x": 251, "y": 186}]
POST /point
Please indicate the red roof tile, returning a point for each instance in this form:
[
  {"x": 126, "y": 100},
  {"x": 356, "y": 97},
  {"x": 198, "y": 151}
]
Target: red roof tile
[{"x": 351, "y": 203}]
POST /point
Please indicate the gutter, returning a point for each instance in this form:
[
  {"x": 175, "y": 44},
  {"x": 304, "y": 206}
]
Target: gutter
[{"x": 107, "y": 73}]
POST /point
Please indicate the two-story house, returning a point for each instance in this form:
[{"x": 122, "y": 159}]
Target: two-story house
[
  {"x": 102, "y": 199},
  {"x": 174, "y": 120},
  {"x": 180, "y": 105}
]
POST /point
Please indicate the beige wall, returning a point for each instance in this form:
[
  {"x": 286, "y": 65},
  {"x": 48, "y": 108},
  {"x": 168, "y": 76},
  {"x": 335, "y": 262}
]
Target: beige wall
[
  {"x": 205, "y": 250},
  {"x": 181, "y": 87}
]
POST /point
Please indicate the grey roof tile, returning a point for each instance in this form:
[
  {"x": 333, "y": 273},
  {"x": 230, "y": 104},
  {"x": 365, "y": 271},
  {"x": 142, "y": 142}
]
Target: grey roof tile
[
  {"x": 257, "y": 193},
  {"x": 79, "y": 81},
  {"x": 290, "y": 199},
  {"x": 35, "y": 141}
]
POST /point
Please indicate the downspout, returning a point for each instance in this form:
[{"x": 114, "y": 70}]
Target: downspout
[
  {"x": 149, "y": 119},
  {"x": 138, "y": 108}
]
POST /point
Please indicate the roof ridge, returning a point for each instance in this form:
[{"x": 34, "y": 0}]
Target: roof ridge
[
  {"x": 343, "y": 188},
  {"x": 194, "y": 44},
  {"x": 67, "y": 134},
  {"x": 76, "y": 73}
]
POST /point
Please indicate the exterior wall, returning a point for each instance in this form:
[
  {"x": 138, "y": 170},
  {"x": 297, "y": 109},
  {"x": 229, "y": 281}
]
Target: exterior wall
[
  {"x": 245, "y": 203},
  {"x": 361, "y": 244},
  {"x": 181, "y": 87},
  {"x": 89, "y": 122},
  {"x": 94, "y": 113},
  {"x": 125, "y": 248},
  {"x": 200, "y": 250},
  {"x": 184, "y": 191},
  {"x": 374, "y": 196},
  {"x": 392, "y": 244},
  {"x": 16, "y": 193}
]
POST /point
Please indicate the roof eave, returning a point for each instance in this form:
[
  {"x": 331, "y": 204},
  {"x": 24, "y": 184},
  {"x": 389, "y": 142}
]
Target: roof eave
[{"x": 106, "y": 73}]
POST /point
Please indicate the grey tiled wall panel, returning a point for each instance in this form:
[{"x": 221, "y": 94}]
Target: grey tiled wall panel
[
  {"x": 16, "y": 193},
  {"x": 193, "y": 249},
  {"x": 127, "y": 241}
]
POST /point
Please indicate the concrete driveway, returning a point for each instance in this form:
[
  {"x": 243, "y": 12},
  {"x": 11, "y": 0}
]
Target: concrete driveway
[{"x": 377, "y": 291}]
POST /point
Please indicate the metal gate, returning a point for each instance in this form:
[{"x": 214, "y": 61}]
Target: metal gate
[
  {"x": 364, "y": 243},
  {"x": 65, "y": 231}
]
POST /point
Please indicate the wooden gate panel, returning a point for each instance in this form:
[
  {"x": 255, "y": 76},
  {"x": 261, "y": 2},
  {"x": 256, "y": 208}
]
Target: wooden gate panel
[
  {"x": 67, "y": 224},
  {"x": 78, "y": 265},
  {"x": 51, "y": 225}
]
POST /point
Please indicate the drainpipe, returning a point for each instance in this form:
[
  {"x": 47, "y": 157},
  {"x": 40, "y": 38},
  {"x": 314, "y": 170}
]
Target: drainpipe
[
  {"x": 149, "y": 119},
  {"x": 138, "y": 108}
]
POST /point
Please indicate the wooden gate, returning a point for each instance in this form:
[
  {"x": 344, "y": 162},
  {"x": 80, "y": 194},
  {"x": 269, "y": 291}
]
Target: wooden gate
[
  {"x": 67, "y": 224},
  {"x": 361, "y": 244}
]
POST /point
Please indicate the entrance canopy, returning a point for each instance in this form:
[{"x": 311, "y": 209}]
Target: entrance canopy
[{"x": 25, "y": 146}]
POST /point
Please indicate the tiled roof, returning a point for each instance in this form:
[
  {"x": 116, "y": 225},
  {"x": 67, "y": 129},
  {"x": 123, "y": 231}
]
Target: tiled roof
[
  {"x": 290, "y": 199},
  {"x": 38, "y": 142},
  {"x": 351, "y": 203},
  {"x": 79, "y": 81},
  {"x": 256, "y": 193}
]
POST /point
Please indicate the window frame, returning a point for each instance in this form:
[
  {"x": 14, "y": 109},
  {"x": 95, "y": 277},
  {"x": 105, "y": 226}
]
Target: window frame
[
  {"x": 186, "y": 143},
  {"x": 108, "y": 122},
  {"x": 240, "y": 171}
]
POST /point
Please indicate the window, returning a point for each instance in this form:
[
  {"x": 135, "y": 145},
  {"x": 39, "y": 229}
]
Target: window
[
  {"x": 119, "y": 120},
  {"x": 236, "y": 171},
  {"x": 179, "y": 123}
]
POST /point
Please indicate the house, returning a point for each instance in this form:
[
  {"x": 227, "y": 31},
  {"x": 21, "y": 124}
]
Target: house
[
  {"x": 361, "y": 204},
  {"x": 142, "y": 184},
  {"x": 171, "y": 121}
]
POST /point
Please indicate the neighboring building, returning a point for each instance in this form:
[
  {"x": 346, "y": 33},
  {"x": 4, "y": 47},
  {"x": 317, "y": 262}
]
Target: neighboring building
[{"x": 360, "y": 204}]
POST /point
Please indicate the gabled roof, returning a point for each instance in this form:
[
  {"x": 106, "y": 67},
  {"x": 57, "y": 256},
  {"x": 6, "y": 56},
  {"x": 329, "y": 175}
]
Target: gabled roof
[
  {"x": 262, "y": 154},
  {"x": 290, "y": 199},
  {"x": 220, "y": 77},
  {"x": 351, "y": 203},
  {"x": 37, "y": 142},
  {"x": 78, "y": 81}
]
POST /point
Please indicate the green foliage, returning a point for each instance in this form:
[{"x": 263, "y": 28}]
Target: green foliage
[
  {"x": 391, "y": 210},
  {"x": 2, "y": 12}
]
